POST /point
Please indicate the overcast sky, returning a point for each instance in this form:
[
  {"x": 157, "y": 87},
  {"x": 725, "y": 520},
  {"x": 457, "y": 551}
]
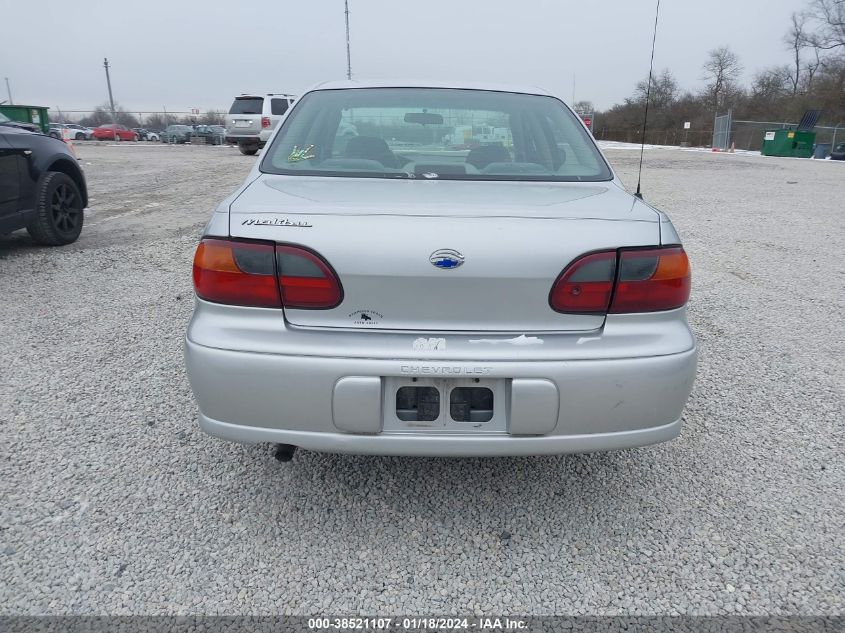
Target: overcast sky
[{"x": 200, "y": 54}]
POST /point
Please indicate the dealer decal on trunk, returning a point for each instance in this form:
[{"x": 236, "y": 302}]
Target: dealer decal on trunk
[{"x": 365, "y": 317}]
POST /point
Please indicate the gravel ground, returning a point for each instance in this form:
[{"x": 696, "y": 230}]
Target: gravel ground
[{"x": 114, "y": 502}]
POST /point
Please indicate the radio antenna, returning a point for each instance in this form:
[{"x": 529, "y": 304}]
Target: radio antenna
[{"x": 647, "y": 101}]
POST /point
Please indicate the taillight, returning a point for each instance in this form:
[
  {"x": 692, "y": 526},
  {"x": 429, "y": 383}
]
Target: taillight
[
  {"x": 586, "y": 285},
  {"x": 265, "y": 121},
  {"x": 236, "y": 273},
  {"x": 636, "y": 280},
  {"x": 264, "y": 276},
  {"x": 652, "y": 280},
  {"x": 306, "y": 281}
]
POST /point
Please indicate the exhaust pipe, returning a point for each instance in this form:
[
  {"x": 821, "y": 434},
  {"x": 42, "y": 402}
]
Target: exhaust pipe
[{"x": 284, "y": 452}]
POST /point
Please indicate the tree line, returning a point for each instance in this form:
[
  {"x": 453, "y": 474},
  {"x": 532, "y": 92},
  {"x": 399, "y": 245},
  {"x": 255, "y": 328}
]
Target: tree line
[
  {"x": 813, "y": 78},
  {"x": 102, "y": 115}
]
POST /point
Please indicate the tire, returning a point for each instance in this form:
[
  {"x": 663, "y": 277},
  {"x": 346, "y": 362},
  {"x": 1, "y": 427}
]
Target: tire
[
  {"x": 54, "y": 135},
  {"x": 248, "y": 150},
  {"x": 79, "y": 136},
  {"x": 59, "y": 212}
]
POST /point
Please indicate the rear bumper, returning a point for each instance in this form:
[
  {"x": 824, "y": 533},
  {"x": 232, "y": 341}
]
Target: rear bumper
[
  {"x": 419, "y": 444},
  {"x": 250, "y": 139},
  {"x": 568, "y": 395}
]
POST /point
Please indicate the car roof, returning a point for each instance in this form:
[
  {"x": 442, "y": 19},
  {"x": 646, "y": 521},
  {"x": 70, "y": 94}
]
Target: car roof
[
  {"x": 420, "y": 83},
  {"x": 269, "y": 94}
]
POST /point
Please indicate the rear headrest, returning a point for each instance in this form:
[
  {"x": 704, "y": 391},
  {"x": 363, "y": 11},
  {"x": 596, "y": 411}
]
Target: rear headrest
[
  {"x": 482, "y": 156},
  {"x": 365, "y": 147},
  {"x": 371, "y": 148}
]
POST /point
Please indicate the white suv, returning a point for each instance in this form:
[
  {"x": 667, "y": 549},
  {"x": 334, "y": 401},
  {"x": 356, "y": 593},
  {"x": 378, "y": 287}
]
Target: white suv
[{"x": 252, "y": 118}]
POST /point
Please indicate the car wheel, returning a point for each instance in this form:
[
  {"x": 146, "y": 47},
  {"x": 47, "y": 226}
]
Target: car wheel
[
  {"x": 248, "y": 150},
  {"x": 53, "y": 135},
  {"x": 58, "y": 212},
  {"x": 79, "y": 136}
]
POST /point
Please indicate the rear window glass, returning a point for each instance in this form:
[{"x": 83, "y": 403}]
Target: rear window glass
[
  {"x": 278, "y": 106},
  {"x": 434, "y": 133},
  {"x": 251, "y": 105}
]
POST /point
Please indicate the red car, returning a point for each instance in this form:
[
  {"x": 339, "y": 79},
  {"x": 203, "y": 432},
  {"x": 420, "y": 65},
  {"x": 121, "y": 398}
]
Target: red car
[{"x": 112, "y": 132}]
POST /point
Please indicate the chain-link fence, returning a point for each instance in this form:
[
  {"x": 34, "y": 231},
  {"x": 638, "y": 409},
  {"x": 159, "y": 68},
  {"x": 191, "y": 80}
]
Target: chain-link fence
[
  {"x": 692, "y": 138},
  {"x": 722, "y": 131}
]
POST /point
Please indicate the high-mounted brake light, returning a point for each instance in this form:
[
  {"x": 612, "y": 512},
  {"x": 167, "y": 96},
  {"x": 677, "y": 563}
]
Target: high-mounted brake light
[
  {"x": 236, "y": 273},
  {"x": 634, "y": 280},
  {"x": 265, "y": 121},
  {"x": 262, "y": 275}
]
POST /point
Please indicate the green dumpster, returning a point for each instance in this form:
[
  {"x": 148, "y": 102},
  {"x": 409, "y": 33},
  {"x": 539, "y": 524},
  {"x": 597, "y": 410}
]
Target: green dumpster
[
  {"x": 791, "y": 143},
  {"x": 28, "y": 114}
]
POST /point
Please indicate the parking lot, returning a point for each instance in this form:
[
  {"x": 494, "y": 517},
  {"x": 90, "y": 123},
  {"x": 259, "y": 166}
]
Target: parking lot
[{"x": 115, "y": 502}]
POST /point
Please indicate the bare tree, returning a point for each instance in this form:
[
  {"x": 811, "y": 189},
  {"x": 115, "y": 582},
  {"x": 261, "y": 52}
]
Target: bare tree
[
  {"x": 102, "y": 115},
  {"x": 664, "y": 90},
  {"x": 811, "y": 68},
  {"x": 796, "y": 41},
  {"x": 829, "y": 16},
  {"x": 721, "y": 71},
  {"x": 583, "y": 107},
  {"x": 213, "y": 117}
]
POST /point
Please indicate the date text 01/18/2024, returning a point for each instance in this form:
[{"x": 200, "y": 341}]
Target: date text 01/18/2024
[{"x": 418, "y": 624}]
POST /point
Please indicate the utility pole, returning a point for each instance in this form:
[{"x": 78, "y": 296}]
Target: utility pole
[
  {"x": 111, "y": 99},
  {"x": 9, "y": 91},
  {"x": 348, "y": 54}
]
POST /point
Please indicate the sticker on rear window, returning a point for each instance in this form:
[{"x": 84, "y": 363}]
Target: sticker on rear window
[{"x": 297, "y": 154}]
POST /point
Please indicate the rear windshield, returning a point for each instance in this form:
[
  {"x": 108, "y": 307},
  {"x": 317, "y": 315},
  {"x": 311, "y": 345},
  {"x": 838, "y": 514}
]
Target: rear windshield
[
  {"x": 434, "y": 133},
  {"x": 247, "y": 105}
]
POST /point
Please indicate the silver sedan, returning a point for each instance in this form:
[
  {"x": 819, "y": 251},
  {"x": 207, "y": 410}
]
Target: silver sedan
[{"x": 438, "y": 270}]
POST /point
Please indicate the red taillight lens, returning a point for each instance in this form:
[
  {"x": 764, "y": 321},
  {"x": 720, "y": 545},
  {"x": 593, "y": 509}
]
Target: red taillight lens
[
  {"x": 306, "y": 281},
  {"x": 265, "y": 121},
  {"x": 648, "y": 280},
  {"x": 586, "y": 285},
  {"x": 652, "y": 280},
  {"x": 236, "y": 273},
  {"x": 264, "y": 276}
]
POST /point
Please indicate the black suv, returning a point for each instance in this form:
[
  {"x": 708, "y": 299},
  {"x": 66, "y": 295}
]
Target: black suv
[{"x": 42, "y": 188}]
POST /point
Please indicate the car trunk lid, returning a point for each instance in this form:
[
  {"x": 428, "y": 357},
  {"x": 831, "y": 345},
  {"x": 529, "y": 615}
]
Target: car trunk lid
[{"x": 382, "y": 237}]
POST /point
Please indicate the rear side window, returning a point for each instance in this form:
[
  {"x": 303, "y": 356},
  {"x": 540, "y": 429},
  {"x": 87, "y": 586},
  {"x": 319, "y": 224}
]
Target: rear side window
[
  {"x": 247, "y": 105},
  {"x": 278, "y": 106}
]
